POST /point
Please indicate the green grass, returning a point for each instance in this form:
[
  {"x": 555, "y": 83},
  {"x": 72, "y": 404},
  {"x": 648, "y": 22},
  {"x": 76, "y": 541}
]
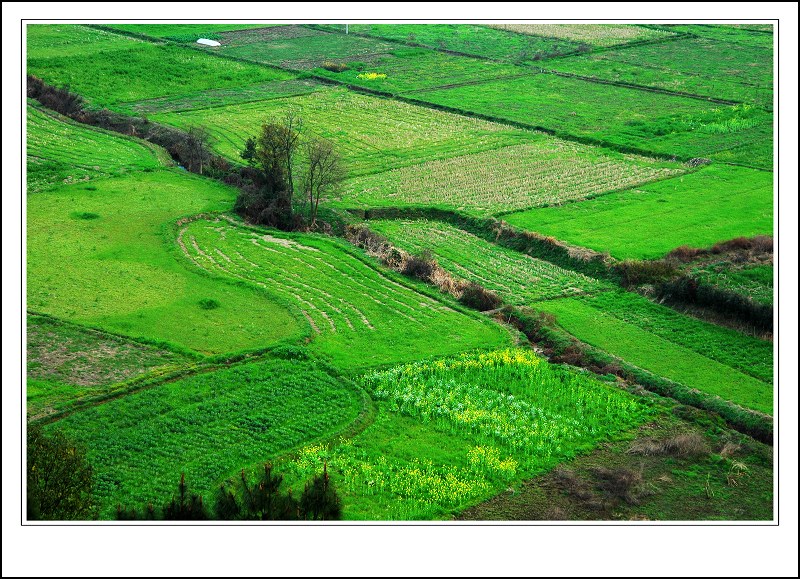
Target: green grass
[
  {"x": 73, "y": 40},
  {"x": 452, "y": 432},
  {"x": 184, "y": 32},
  {"x": 516, "y": 277},
  {"x": 62, "y": 151},
  {"x": 755, "y": 282},
  {"x": 207, "y": 426},
  {"x": 701, "y": 66},
  {"x": 299, "y": 48},
  {"x": 747, "y": 354},
  {"x": 123, "y": 271},
  {"x": 543, "y": 171},
  {"x": 701, "y": 208},
  {"x": 658, "y": 355},
  {"x": 660, "y": 123},
  {"x": 419, "y": 69},
  {"x": 742, "y": 34},
  {"x": 70, "y": 354},
  {"x": 359, "y": 316},
  {"x": 111, "y": 78},
  {"x": 222, "y": 97},
  {"x": 468, "y": 39},
  {"x": 372, "y": 134}
]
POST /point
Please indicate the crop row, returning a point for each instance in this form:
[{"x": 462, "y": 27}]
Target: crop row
[
  {"x": 372, "y": 134},
  {"x": 545, "y": 171},
  {"x": 516, "y": 277},
  {"x": 344, "y": 301},
  {"x": 61, "y": 151}
]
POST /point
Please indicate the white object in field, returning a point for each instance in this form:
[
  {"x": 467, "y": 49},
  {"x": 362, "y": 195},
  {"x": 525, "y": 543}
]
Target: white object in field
[{"x": 207, "y": 42}]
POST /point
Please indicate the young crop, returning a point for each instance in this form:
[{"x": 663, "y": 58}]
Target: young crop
[{"x": 372, "y": 76}]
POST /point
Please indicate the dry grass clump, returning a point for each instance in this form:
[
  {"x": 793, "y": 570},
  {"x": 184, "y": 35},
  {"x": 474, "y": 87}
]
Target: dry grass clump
[{"x": 688, "y": 444}]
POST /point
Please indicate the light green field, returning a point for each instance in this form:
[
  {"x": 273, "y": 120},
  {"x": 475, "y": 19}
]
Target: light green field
[
  {"x": 104, "y": 255},
  {"x": 660, "y": 356},
  {"x": 62, "y": 151},
  {"x": 455, "y": 431},
  {"x": 699, "y": 209},
  {"x": 73, "y": 40},
  {"x": 543, "y": 171},
  {"x": 372, "y": 134},
  {"x": 182, "y": 32},
  {"x": 516, "y": 277},
  {"x": 111, "y": 78},
  {"x": 359, "y": 316}
]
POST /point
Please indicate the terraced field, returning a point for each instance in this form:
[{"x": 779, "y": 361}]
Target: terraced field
[
  {"x": 372, "y": 134},
  {"x": 663, "y": 124},
  {"x": 516, "y": 277},
  {"x": 715, "y": 203},
  {"x": 489, "y": 42},
  {"x": 208, "y": 426},
  {"x": 755, "y": 282},
  {"x": 112, "y": 78},
  {"x": 349, "y": 305},
  {"x": 185, "y": 32},
  {"x": 111, "y": 241},
  {"x": 676, "y": 361},
  {"x": 61, "y": 151},
  {"x": 701, "y": 66},
  {"x": 544, "y": 171},
  {"x": 61, "y": 40}
]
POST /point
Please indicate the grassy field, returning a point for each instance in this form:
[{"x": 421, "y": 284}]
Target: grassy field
[
  {"x": 663, "y": 124},
  {"x": 488, "y": 42},
  {"x": 516, "y": 277},
  {"x": 591, "y": 34},
  {"x": 70, "y": 40},
  {"x": 359, "y": 316},
  {"x": 453, "y": 431},
  {"x": 185, "y": 32},
  {"x": 207, "y": 426},
  {"x": 701, "y": 66},
  {"x": 747, "y": 34},
  {"x": 103, "y": 255},
  {"x": 372, "y": 134},
  {"x": 408, "y": 70},
  {"x": 543, "y": 171},
  {"x": 753, "y": 281},
  {"x": 658, "y": 355},
  {"x": 113, "y": 77},
  {"x": 61, "y": 151},
  {"x": 712, "y": 204}
]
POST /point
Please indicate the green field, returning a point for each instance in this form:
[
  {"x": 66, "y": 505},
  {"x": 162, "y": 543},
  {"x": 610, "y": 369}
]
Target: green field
[
  {"x": 112, "y": 78},
  {"x": 713, "y": 204},
  {"x": 543, "y": 171},
  {"x": 372, "y": 134},
  {"x": 755, "y": 282},
  {"x": 517, "y": 278},
  {"x": 468, "y": 39},
  {"x": 61, "y": 151},
  {"x": 660, "y": 356},
  {"x": 663, "y": 124},
  {"x": 701, "y": 66},
  {"x": 104, "y": 255},
  {"x": 457, "y": 430},
  {"x": 207, "y": 426},
  {"x": 741, "y": 34},
  {"x": 68, "y": 40},
  {"x": 359, "y": 316},
  {"x": 185, "y": 32},
  {"x": 592, "y": 34}
]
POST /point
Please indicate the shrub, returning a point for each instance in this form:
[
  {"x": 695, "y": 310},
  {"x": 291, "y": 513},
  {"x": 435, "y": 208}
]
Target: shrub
[
  {"x": 688, "y": 444},
  {"x": 209, "y": 304},
  {"x": 421, "y": 266},
  {"x": 633, "y": 273},
  {"x": 334, "y": 66},
  {"x": 477, "y": 297},
  {"x": 621, "y": 483}
]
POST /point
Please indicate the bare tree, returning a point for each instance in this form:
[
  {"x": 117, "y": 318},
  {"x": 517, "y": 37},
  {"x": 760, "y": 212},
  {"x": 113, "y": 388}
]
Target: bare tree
[
  {"x": 293, "y": 125},
  {"x": 194, "y": 149},
  {"x": 324, "y": 173}
]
